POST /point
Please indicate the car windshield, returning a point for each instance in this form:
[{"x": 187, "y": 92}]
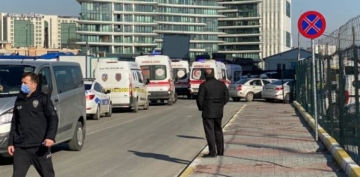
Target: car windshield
[
  {"x": 10, "y": 78},
  {"x": 154, "y": 72},
  {"x": 199, "y": 73},
  {"x": 88, "y": 86},
  {"x": 180, "y": 73},
  {"x": 241, "y": 81}
]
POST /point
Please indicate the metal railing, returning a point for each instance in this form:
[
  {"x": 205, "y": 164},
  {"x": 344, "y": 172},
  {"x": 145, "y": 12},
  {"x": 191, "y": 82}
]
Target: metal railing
[{"x": 337, "y": 88}]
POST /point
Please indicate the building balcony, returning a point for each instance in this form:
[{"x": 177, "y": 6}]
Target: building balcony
[
  {"x": 239, "y": 18},
  {"x": 192, "y": 15},
  {"x": 125, "y": 2},
  {"x": 240, "y": 43},
  {"x": 180, "y": 23},
  {"x": 114, "y": 22},
  {"x": 118, "y": 44},
  {"x": 136, "y": 13},
  {"x": 117, "y": 33},
  {"x": 191, "y": 6},
  {"x": 195, "y": 41},
  {"x": 240, "y": 2},
  {"x": 239, "y": 35},
  {"x": 187, "y": 32},
  {"x": 239, "y": 26},
  {"x": 238, "y": 51}
]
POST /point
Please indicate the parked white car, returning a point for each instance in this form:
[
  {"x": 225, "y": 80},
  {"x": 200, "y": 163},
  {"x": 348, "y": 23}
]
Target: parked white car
[
  {"x": 279, "y": 90},
  {"x": 248, "y": 88},
  {"x": 98, "y": 101}
]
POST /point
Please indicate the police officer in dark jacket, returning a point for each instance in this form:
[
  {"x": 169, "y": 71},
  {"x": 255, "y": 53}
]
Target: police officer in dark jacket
[
  {"x": 33, "y": 129},
  {"x": 212, "y": 97}
]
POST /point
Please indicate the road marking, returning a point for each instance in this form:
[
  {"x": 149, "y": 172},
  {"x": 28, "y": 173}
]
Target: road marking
[
  {"x": 190, "y": 168},
  {"x": 112, "y": 126}
]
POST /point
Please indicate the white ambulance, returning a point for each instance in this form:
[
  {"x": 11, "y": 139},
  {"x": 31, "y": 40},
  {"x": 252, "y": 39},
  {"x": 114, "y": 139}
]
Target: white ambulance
[
  {"x": 181, "y": 72},
  {"x": 125, "y": 82},
  {"x": 234, "y": 72},
  {"x": 197, "y": 74},
  {"x": 157, "y": 70}
]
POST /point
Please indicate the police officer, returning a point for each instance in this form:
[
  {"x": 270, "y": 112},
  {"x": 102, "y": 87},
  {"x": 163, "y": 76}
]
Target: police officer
[
  {"x": 33, "y": 129},
  {"x": 212, "y": 97}
]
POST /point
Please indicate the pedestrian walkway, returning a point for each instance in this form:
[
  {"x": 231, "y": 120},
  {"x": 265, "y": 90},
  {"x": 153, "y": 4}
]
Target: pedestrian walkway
[{"x": 267, "y": 140}]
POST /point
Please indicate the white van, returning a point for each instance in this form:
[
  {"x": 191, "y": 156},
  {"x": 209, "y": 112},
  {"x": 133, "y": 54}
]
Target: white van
[
  {"x": 125, "y": 82},
  {"x": 234, "y": 72},
  {"x": 158, "y": 72},
  {"x": 198, "y": 74},
  {"x": 181, "y": 72}
]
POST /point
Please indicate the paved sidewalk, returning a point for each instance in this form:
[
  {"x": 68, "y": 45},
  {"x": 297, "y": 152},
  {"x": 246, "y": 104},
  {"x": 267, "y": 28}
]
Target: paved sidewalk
[{"x": 268, "y": 140}]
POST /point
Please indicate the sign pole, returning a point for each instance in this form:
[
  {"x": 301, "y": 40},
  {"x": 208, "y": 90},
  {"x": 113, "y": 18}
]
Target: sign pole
[{"x": 314, "y": 88}]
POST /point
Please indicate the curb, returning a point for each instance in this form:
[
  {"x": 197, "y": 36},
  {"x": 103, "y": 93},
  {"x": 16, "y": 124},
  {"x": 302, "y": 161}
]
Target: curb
[
  {"x": 190, "y": 168},
  {"x": 342, "y": 158}
]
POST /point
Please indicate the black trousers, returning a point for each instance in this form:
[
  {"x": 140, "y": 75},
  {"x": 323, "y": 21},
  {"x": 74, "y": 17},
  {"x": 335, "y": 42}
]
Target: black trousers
[
  {"x": 39, "y": 157},
  {"x": 214, "y": 135}
]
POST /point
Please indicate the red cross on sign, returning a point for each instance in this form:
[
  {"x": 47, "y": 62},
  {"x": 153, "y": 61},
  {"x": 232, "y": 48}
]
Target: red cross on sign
[{"x": 311, "y": 24}]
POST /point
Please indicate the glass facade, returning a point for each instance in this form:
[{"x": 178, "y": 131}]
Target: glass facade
[
  {"x": 23, "y": 33},
  {"x": 242, "y": 38},
  {"x": 68, "y": 35},
  {"x": 288, "y": 9},
  {"x": 133, "y": 27},
  {"x": 288, "y": 39}
]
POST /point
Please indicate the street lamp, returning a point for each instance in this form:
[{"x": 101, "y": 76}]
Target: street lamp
[{"x": 70, "y": 27}]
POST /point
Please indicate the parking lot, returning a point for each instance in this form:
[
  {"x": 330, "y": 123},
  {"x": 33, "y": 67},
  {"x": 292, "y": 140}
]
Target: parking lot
[{"x": 161, "y": 141}]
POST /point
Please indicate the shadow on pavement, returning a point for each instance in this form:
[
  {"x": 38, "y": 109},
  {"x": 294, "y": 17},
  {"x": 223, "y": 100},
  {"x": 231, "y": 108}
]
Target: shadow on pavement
[
  {"x": 159, "y": 157},
  {"x": 190, "y": 137}
]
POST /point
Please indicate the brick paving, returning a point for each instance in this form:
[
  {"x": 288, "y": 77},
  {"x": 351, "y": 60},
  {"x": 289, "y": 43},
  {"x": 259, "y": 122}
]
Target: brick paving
[{"x": 269, "y": 140}]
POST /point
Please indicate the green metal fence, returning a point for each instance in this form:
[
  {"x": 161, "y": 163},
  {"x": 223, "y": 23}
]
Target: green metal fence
[{"x": 337, "y": 85}]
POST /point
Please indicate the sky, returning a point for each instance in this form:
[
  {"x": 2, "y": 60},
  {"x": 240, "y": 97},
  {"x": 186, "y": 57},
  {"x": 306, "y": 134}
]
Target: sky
[{"x": 336, "y": 12}]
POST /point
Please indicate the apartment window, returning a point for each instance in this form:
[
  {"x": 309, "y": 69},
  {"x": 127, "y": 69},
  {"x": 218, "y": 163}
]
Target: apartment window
[
  {"x": 288, "y": 9},
  {"x": 288, "y": 39}
]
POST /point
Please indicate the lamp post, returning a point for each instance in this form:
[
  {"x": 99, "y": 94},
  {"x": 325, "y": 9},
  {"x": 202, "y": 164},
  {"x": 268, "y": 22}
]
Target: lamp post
[{"x": 70, "y": 27}]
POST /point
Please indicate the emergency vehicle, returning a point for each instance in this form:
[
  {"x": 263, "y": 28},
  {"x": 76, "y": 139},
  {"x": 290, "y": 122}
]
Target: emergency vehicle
[
  {"x": 234, "y": 72},
  {"x": 158, "y": 72},
  {"x": 197, "y": 74},
  {"x": 125, "y": 82},
  {"x": 181, "y": 72}
]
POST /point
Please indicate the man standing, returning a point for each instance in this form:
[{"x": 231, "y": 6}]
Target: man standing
[
  {"x": 33, "y": 129},
  {"x": 212, "y": 97}
]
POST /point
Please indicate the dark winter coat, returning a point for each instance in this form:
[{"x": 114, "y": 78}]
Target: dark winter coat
[
  {"x": 34, "y": 120},
  {"x": 212, "y": 97}
]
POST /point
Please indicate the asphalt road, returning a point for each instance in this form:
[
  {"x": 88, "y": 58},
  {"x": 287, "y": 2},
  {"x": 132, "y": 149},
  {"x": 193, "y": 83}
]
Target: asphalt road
[{"x": 160, "y": 141}]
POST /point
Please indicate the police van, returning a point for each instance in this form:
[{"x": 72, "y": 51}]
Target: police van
[
  {"x": 62, "y": 81},
  {"x": 234, "y": 72},
  {"x": 181, "y": 72},
  {"x": 197, "y": 74},
  {"x": 126, "y": 85},
  {"x": 158, "y": 72}
]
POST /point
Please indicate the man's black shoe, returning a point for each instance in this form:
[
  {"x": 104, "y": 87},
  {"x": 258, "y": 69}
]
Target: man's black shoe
[
  {"x": 209, "y": 156},
  {"x": 220, "y": 154}
]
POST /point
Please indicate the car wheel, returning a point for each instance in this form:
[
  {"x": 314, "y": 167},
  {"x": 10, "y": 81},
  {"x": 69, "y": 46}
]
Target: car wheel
[
  {"x": 135, "y": 108},
  {"x": 109, "y": 113},
  {"x": 269, "y": 100},
  {"x": 287, "y": 98},
  {"x": 249, "y": 96},
  {"x": 235, "y": 99},
  {"x": 146, "y": 106},
  {"x": 77, "y": 142},
  {"x": 97, "y": 114}
]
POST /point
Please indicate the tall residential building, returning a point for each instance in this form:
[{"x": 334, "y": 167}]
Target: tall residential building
[
  {"x": 241, "y": 25},
  {"x": 37, "y": 30},
  {"x": 138, "y": 26},
  {"x": 255, "y": 28},
  {"x": 275, "y": 26}
]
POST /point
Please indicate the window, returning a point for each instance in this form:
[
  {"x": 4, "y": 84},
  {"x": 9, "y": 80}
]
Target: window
[
  {"x": 256, "y": 83},
  {"x": 98, "y": 88},
  {"x": 199, "y": 73},
  {"x": 68, "y": 78},
  {"x": 266, "y": 82},
  {"x": 88, "y": 86},
  {"x": 154, "y": 72},
  {"x": 45, "y": 78},
  {"x": 10, "y": 79},
  {"x": 288, "y": 9},
  {"x": 283, "y": 66},
  {"x": 141, "y": 80},
  {"x": 237, "y": 75},
  {"x": 278, "y": 67},
  {"x": 288, "y": 39},
  {"x": 223, "y": 73},
  {"x": 180, "y": 73}
]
